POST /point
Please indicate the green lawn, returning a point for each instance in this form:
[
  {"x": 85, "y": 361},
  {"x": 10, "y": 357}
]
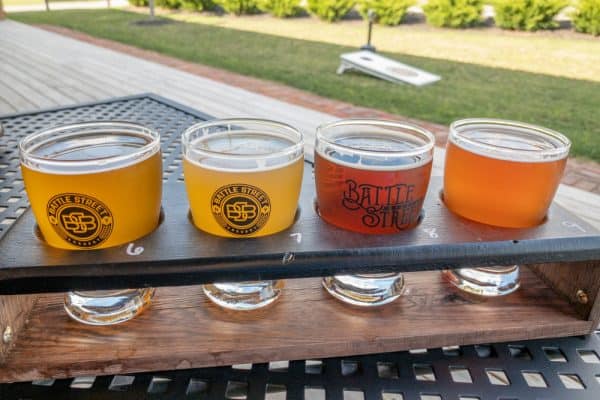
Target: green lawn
[
  {"x": 558, "y": 53},
  {"x": 21, "y": 2},
  {"x": 32, "y": 2},
  {"x": 568, "y": 105}
]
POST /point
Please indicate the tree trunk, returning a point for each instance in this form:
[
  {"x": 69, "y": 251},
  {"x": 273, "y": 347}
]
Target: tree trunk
[{"x": 2, "y": 13}]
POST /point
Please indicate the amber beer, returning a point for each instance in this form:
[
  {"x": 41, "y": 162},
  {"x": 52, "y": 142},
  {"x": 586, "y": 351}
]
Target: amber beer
[
  {"x": 376, "y": 198},
  {"x": 92, "y": 190},
  {"x": 371, "y": 177},
  {"x": 501, "y": 173}
]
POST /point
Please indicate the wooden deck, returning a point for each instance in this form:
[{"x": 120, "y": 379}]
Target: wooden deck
[{"x": 40, "y": 69}]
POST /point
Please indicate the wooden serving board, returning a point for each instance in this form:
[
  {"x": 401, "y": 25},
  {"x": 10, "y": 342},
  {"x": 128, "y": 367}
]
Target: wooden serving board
[{"x": 182, "y": 329}]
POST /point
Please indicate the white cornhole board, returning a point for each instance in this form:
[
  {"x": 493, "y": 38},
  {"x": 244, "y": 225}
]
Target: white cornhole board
[{"x": 382, "y": 67}]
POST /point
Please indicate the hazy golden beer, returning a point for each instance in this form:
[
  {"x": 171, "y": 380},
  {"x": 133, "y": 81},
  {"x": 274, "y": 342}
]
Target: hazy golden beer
[
  {"x": 247, "y": 188},
  {"x": 96, "y": 210},
  {"x": 243, "y": 179},
  {"x": 93, "y": 185}
]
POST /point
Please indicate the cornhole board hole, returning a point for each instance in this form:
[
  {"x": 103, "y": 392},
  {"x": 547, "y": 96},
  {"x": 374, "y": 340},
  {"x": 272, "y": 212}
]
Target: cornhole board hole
[{"x": 384, "y": 68}]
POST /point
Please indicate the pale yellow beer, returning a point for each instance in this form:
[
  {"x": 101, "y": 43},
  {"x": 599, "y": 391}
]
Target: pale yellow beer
[
  {"x": 243, "y": 191},
  {"x": 243, "y": 179},
  {"x": 91, "y": 188}
]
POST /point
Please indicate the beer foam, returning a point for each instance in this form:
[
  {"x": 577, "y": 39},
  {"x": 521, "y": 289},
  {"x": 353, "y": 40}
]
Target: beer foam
[
  {"x": 92, "y": 148},
  {"x": 379, "y": 152},
  {"x": 91, "y": 152},
  {"x": 511, "y": 143},
  {"x": 248, "y": 151}
]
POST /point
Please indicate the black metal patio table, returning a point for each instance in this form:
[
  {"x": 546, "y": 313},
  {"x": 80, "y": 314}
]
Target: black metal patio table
[{"x": 561, "y": 368}]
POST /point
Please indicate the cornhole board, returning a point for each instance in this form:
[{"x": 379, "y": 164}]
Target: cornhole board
[{"x": 384, "y": 68}]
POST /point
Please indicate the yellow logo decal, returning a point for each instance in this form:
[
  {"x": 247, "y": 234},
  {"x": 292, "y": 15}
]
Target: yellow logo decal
[
  {"x": 79, "y": 219},
  {"x": 241, "y": 209}
]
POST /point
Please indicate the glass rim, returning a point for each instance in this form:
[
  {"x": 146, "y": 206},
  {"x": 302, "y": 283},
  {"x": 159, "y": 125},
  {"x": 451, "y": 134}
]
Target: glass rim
[
  {"x": 456, "y": 136},
  {"x": 29, "y": 144},
  {"x": 409, "y": 127},
  {"x": 298, "y": 143}
]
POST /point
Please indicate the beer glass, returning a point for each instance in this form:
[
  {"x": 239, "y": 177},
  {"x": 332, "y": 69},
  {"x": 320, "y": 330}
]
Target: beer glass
[
  {"x": 500, "y": 173},
  {"x": 91, "y": 186},
  {"x": 371, "y": 177},
  {"x": 243, "y": 179}
]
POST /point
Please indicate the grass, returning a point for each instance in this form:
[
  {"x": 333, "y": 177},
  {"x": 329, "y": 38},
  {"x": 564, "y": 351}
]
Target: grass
[
  {"x": 32, "y": 2},
  {"x": 557, "y": 53},
  {"x": 21, "y": 2},
  {"x": 466, "y": 90}
]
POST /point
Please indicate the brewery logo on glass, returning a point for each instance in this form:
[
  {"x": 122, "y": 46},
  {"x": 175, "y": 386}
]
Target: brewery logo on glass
[
  {"x": 241, "y": 209},
  {"x": 391, "y": 206},
  {"x": 79, "y": 219}
]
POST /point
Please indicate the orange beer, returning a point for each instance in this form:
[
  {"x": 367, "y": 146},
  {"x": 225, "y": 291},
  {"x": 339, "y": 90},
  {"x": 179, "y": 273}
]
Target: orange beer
[{"x": 503, "y": 173}]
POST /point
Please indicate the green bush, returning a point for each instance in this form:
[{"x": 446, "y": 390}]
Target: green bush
[
  {"x": 192, "y": 5},
  {"x": 138, "y": 3},
  {"x": 388, "y": 12},
  {"x": 587, "y": 17},
  {"x": 197, "y": 5},
  {"x": 453, "y": 13},
  {"x": 239, "y": 7},
  {"x": 172, "y": 4},
  {"x": 330, "y": 10},
  {"x": 280, "y": 8},
  {"x": 528, "y": 15}
]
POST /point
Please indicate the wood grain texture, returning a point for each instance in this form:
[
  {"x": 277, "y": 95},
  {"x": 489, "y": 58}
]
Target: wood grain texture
[
  {"x": 14, "y": 311},
  {"x": 182, "y": 329},
  {"x": 569, "y": 278}
]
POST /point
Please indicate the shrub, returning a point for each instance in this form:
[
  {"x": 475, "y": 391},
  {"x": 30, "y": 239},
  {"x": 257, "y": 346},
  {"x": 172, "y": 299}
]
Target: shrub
[
  {"x": 173, "y": 4},
  {"x": 239, "y": 7},
  {"x": 330, "y": 10},
  {"x": 192, "y": 5},
  {"x": 138, "y": 3},
  {"x": 529, "y": 15},
  {"x": 197, "y": 5},
  {"x": 388, "y": 12},
  {"x": 587, "y": 17},
  {"x": 453, "y": 13},
  {"x": 280, "y": 8}
]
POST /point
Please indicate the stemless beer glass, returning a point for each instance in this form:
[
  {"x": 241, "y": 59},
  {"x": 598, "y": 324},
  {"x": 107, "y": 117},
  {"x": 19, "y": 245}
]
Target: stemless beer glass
[
  {"x": 500, "y": 173},
  {"x": 243, "y": 179},
  {"x": 371, "y": 177},
  {"x": 91, "y": 186}
]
